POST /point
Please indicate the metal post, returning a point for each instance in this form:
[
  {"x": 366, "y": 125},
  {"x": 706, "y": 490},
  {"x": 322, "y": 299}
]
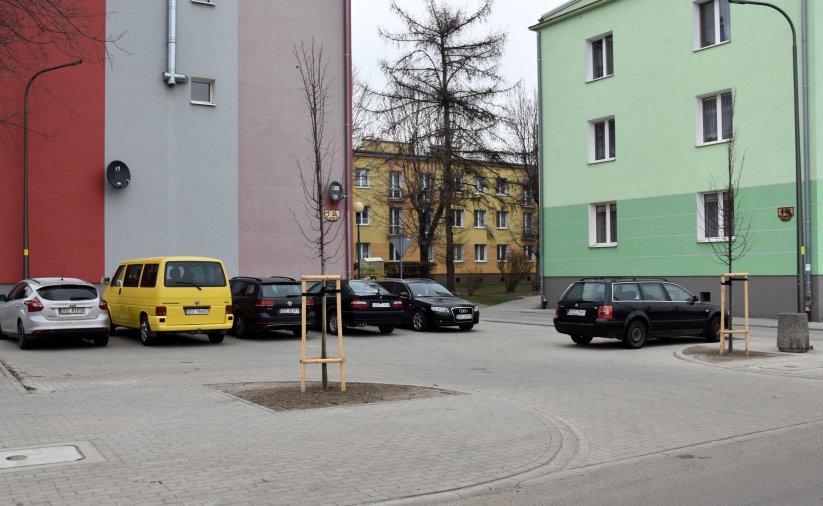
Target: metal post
[
  {"x": 801, "y": 248},
  {"x": 26, "y": 162}
]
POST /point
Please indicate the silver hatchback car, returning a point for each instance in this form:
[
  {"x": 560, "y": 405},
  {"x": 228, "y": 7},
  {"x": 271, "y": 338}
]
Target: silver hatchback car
[{"x": 43, "y": 307}]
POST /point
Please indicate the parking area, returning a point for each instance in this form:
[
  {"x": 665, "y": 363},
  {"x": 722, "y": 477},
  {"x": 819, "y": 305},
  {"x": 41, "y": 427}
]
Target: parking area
[{"x": 533, "y": 403}]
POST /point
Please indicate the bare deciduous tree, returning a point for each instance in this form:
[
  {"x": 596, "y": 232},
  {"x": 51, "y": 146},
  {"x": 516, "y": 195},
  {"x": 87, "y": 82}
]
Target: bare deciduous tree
[
  {"x": 452, "y": 77},
  {"x": 514, "y": 268}
]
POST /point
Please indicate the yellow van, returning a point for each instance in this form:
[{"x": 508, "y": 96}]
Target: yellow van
[{"x": 170, "y": 294}]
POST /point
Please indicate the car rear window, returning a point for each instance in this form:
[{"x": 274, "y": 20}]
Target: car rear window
[
  {"x": 585, "y": 291},
  {"x": 67, "y": 292},
  {"x": 191, "y": 273},
  {"x": 360, "y": 287},
  {"x": 280, "y": 290}
]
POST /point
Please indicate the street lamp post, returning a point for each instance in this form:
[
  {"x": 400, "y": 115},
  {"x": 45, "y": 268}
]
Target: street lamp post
[
  {"x": 26, "y": 162},
  {"x": 801, "y": 248},
  {"x": 358, "y": 209}
]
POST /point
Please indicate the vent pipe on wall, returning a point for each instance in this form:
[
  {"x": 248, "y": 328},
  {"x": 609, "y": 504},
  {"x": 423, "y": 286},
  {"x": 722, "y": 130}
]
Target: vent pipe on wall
[{"x": 171, "y": 76}]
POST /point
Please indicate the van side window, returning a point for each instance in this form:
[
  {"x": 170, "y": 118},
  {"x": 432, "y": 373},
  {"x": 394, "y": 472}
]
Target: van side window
[
  {"x": 117, "y": 279},
  {"x": 149, "y": 278},
  {"x": 132, "y": 275}
]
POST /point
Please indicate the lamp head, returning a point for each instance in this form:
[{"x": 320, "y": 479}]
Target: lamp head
[{"x": 358, "y": 207}]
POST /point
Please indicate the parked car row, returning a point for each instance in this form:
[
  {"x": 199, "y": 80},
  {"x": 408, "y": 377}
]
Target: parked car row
[{"x": 192, "y": 295}]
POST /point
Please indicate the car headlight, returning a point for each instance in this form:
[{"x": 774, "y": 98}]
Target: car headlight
[
  {"x": 439, "y": 309},
  {"x": 476, "y": 309}
]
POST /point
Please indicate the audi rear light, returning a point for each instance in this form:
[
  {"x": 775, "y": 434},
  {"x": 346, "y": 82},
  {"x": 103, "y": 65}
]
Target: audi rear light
[
  {"x": 557, "y": 310},
  {"x": 358, "y": 304},
  {"x": 398, "y": 304},
  {"x": 160, "y": 311},
  {"x": 605, "y": 312},
  {"x": 34, "y": 305},
  {"x": 265, "y": 303},
  {"x": 104, "y": 305}
]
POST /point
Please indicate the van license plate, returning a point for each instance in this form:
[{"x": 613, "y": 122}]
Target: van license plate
[
  {"x": 290, "y": 310},
  {"x": 196, "y": 310},
  {"x": 576, "y": 312}
]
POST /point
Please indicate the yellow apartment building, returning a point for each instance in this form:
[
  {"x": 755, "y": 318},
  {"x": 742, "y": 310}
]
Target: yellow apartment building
[{"x": 494, "y": 213}]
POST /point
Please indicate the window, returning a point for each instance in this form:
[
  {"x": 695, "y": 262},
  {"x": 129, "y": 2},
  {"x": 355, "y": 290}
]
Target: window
[
  {"x": 601, "y": 140},
  {"x": 363, "y": 218},
  {"x": 430, "y": 253},
  {"x": 528, "y": 252},
  {"x": 149, "y": 278},
  {"x": 395, "y": 186},
  {"x": 459, "y": 183},
  {"x": 458, "y": 252},
  {"x": 529, "y": 230},
  {"x": 502, "y": 186},
  {"x": 457, "y": 218},
  {"x": 502, "y": 219},
  {"x": 479, "y": 185},
  {"x": 502, "y": 252},
  {"x": 361, "y": 178},
  {"x": 713, "y": 222},
  {"x": 677, "y": 293},
  {"x": 202, "y": 91},
  {"x": 714, "y": 117},
  {"x": 427, "y": 187},
  {"x": 712, "y": 25},
  {"x": 528, "y": 196},
  {"x": 600, "y": 57},
  {"x": 132, "y": 278},
  {"x": 393, "y": 253},
  {"x": 479, "y": 219},
  {"x": 395, "y": 221},
  {"x": 480, "y": 253},
  {"x": 603, "y": 224},
  {"x": 363, "y": 250}
]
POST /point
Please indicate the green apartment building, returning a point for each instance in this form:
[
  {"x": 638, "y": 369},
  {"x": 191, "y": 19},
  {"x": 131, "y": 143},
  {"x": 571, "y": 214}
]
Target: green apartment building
[{"x": 639, "y": 102}]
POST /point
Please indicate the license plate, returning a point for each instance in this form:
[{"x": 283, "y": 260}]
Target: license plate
[
  {"x": 196, "y": 310},
  {"x": 71, "y": 310},
  {"x": 290, "y": 310},
  {"x": 464, "y": 317},
  {"x": 380, "y": 304},
  {"x": 576, "y": 312}
]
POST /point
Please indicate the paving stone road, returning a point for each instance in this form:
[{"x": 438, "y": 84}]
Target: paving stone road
[{"x": 533, "y": 404}]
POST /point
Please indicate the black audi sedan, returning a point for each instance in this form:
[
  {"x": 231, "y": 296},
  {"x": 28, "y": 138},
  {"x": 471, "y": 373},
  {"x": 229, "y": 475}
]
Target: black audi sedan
[
  {"x": 267, "y": 303},
  {"x": 362, "y": 303},
  {"x": 427, "y": 304}
]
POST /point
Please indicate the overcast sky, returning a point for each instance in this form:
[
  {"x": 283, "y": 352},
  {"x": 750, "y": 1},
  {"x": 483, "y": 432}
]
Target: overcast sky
[{"x": 511, "y": 16}]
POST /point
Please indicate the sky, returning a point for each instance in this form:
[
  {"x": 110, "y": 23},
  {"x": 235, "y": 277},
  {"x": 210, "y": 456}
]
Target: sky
[{"x": 514, "y": 17}]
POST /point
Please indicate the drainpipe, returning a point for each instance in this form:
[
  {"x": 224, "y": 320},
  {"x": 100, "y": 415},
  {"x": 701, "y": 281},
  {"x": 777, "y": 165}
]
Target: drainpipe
[
  {"x": 541, "y": 215},
  {"x": 171, "y": 76},
  {"x": 348, "y": 113},
  {"x": 804, "y": 22}
]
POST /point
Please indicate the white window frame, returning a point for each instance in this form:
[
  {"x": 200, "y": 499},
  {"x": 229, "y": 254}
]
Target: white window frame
[
  {"x": 609, "y": 125},
  {"x": 362, "y": 182},
  {"x": 210, "y": 83},
  {"x": 365, "y": 250},
  {"x": 501, "y": 220},
  {"x": 610, "y": 241},
  {"x": 394, "y": 255},
  {"x": 721, "y": 217},
  {"x": 395, "y": 184},
  {"x": 364, "y": 218},
  {"x": 430, "y": 253},
  {"x": 604, "y": 57},
  {"x": 502, "y": 253},
  {"x": 457, "y": 218},
  {"x": 480, "y": 254},
  {"x": 481, "y": 222},
  {"x": 528, "y": 251},
  {"x": 459, "y": 253},
  {"x": 717, "y": 25},
  {"x": 699, "y": 127},
  {"x": 395, "y": 221}
]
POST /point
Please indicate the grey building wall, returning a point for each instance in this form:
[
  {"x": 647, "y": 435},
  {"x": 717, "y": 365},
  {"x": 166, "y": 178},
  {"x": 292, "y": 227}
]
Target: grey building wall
[{"x": 182, "y": 199}]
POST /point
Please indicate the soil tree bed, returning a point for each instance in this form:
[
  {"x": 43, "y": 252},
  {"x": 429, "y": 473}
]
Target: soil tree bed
[{"x": 712, "y": 354}]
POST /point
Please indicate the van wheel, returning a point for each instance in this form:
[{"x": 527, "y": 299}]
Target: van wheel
[
  {"x": 386, "y": 329},
  {"x": 101, "y": 340},
  {"x": 581, "y": 340},
  {"x": 215, "y": 337},
  {"x": 636, "y": 335},
  {"x": 24, "y": 342},
  {"x": 147, "y": 337},
  {"x": 713, "y": 330}
]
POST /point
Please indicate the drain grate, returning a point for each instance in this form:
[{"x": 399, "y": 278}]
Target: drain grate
[{"x": 75, "y": 452}]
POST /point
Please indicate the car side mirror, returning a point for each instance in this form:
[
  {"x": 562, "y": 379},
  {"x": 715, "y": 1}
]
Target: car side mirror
[{"x": 105, "y": 281}]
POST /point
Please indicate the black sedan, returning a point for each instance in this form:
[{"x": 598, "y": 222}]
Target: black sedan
[
  {"x": 362, "y": 303},
  {"x": 429, "y": 304},
  {"x": 263, "y": 304}
]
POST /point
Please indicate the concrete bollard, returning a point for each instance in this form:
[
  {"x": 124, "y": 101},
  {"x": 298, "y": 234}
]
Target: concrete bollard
[{"x": 793, "y": 332}]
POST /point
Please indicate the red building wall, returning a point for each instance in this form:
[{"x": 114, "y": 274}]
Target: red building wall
[{"x": 66, "y": 157}]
